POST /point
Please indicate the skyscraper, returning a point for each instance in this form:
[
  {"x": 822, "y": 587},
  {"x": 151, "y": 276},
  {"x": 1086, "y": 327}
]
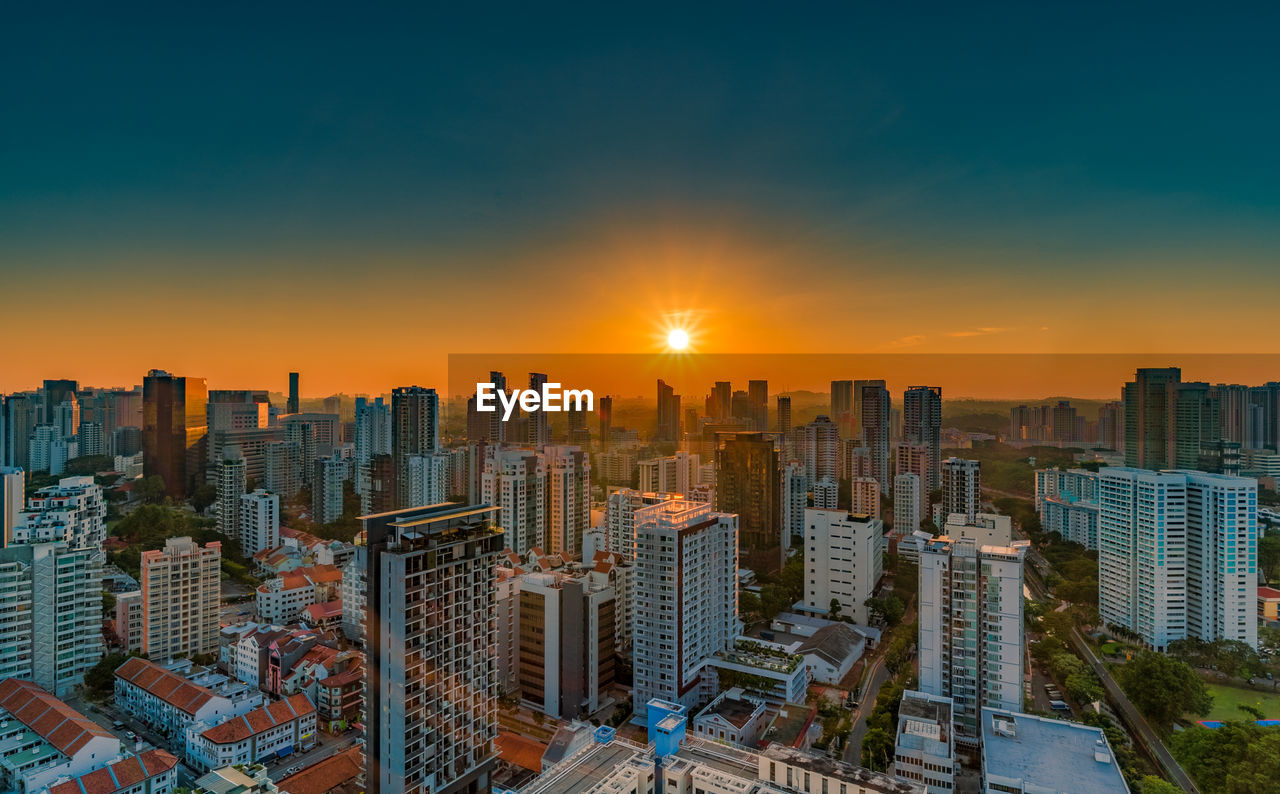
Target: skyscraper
[
  {"x": 873, "y": 411},
  {"x": 747, "y": 484},
  {"x": 668, "y": 427},
  {"x": 971, "y": 630},
  {"x": 1197, "y": 422},
  {"x": 180, "y": 598},
  {"x": 230, "y": 486},
  {"x": 842, "y": 406},
  {"x": 758, "y": 397},
  {"x": 961, "y": 487},
  {"x": 373, "y": 437},
  {"x": 539, "y": 430},
  {"x": 415, "y": 430},
  {"x": 497, "y": 427},
  {"x": 784, "y": 414},
  {"x": 686, "y": 598},
  {"x": 1111, "y": 426},
  {"x": 1148, "y": 418},
  {"x": 844, "y": 560},
  {"x": 795, "y": 499},
  {"x": 922, "y": 424},
  {"x": 515, "y": 481},
  {"x": 291, "y": 405},
  {"x": 864, "y": 496},
  {"x": 431, "y": 685},
  {"x": 606, "y": 421},
  {"x": 568, "y": 498},
  {"x": 1177, "y": 555},
  {"x": 239, "y": 418},
  {"x": 259, "y": 522},
  {"x": 173, "y": 430},
  {"x": 906, "y": 503},
  {"x": 821, "y": 449},
  {"x": 720, "y": 401}
]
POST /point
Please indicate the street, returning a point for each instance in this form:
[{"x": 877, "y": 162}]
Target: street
[{"x": 866, "y": 702}]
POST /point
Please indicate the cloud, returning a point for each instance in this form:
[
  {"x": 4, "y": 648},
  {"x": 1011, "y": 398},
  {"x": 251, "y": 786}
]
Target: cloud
[
  {"x": 978, "y": 332},
  {"x": 906, "y": 341}
]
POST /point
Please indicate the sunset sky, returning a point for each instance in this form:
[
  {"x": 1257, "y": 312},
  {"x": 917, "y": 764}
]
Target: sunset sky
[{"x": 238, "y": 192}]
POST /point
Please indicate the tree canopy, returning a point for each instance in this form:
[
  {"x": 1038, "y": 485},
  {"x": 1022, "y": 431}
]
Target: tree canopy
[{"x": 1163, "y": 688}]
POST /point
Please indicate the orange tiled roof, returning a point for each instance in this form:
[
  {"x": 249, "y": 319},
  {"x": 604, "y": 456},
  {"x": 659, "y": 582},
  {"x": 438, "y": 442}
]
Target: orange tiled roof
[
  {"x": 520, "y": 750},
  {"x": 60, "y": 725},
  {"x": 353, "y": 673},
  {"x": 164, "y": 684},
  {"x": 326, "y": 775},
  {"x": 120, "y": 775},
  {"x": 328, "y": 609},
  {"x": 260, "y": 719}
]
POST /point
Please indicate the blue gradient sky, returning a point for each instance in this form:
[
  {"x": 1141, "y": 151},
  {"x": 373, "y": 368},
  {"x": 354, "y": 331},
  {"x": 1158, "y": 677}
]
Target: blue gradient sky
[{"x": 835, "y": 177}]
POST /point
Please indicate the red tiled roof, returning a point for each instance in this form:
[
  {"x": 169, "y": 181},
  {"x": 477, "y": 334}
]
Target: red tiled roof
[
  {"x": 329, "y": 609},
  {"x": 326, "y": 775},
  {"x": 353, "y": 673},
  {"x": 164, "y": 684},
  {"x": 1268, "y": 592},
  {"x": 120, "y": 775},
  {"x": 60, "y": 725},
  {"x": 520, "y": 750},
  {"x": 261, "y": 719}
]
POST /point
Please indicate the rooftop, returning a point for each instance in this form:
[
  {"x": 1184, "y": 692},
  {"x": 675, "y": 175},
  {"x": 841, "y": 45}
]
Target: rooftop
[
  {"x": 520, "y": 751},
  {"x": 834, "y": 644},
  {"x": 1048, "y": 753},
  {"x": 1268, "y": 592},
  {"x": 260, "y": 719},
  {"x": 119, "y": 776},
  {"x": 325, "y": 776},
  {"x": 164, "y": 684},
  {"x": 734, "y": 707},
  {"x": 61, "y": 726}
]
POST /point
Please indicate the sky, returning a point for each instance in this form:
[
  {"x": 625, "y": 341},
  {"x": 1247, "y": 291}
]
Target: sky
[{"x": 239, "y": 190}]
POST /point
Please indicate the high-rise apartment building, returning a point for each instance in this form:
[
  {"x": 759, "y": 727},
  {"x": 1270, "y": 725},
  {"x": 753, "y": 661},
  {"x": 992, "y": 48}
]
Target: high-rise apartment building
[
  {"x": 907, "y": 500},
  {"x": 758, "y": 399},
  {"x": 173, "y": 430},
  {"x": 747, "y": 485},
  {"x": 230, "y": 482},
  {"x": 795, "y": 500},
  {"x": 685, "y": 598},
  {"x": 821, "y": 449},
  {"x": 677, "y": 473},
  {"x": 428, "y": 479},
  {"x": 12, "y": 492},
  {"x": 605, "y": 412},
  {"x": 1149, "y": 404},
  {"x": 566, "y": 644},
  {"x": 922, "y": 425},
  {"x": 1177, "y": 555},
  {"x": 971, "y": 629},
  {"x": 515, "y": 481},
  {"x": 961, "y": 487},
  {"x": 291, "y": 405},
  {"x": 259, "y": 524},
  {"x": 372, "y": 437},
  {"x": 73, "y": 511},
  {"x": 842, "y": 406},
  {"x": 668, "y": 427},
  {"x": 1111, "y": 426},
  {"x": 181, "y": 592},
  {"x": 619, "y": 517},
  {"x": 843, "y": 560},
  {"x": 874, "y": 416},
  {"x": 539, "y": 429},
  {"x": 327, "y": 488},
  {"x": 51, "y": 595},
  {"x": 864, "y": 496},
  {"x": 568, "y": 498},
  {"x": 431, "y": 685},
  {"x": 826, "y": 493},
  {"x": 1197, "y": 422},
  {"x": 282, "y": 468},
  {"x": 784, "y": 414},
  {"x": 415, "y": 430}
]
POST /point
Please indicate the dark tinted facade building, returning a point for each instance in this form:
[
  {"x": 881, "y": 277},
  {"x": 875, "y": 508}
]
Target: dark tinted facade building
[
  {"x": 173, "y": 432},
  {"x": 748, "y": 484}
]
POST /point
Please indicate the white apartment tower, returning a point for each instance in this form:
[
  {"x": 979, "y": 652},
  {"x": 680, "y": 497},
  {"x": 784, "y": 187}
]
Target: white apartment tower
[
  {"x": 515, "y": 481},
  {"x": 685, "y": 598},
  {"x": 864, "y": 496},
  {"x": 795, "y": 500},
  {"x": 1177, "y": 555},
  {"x": 826, "y": 493},
  {"x": 907, "y": 495},
  {"x": 843, "y": 561},
  {"x": 619, "y": 517},
  {"x": 568, "y": 498},
  {"x": 428, "y": 479},
  {"x": 431, "y": 683},
  {"x": 971, "y": 631},
  {"x": 676, "y": 473},
  {"x": 961, "y": 487},
  {"x": 71, "y": 511},
  {"x": 181, "y": 593},
  {"x": 821, "y": 442},
  {"x": 259, "y": 521}
]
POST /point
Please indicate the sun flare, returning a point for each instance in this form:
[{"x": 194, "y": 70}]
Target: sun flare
[{"x": 678, "y": 339}]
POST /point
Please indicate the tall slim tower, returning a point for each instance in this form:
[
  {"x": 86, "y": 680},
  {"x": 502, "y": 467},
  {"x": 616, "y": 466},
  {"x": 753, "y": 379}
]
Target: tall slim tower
[
  {"x": 539, "y": 430},
  {"x": 1149, "y": 418},
  {"x": 668, "y": 427},
  {"x": 784, "y": 414},
  {"x": 606, "y": 421},
  {"x": 415, "y": 430},
  {"x": 873, "y": 410},
  {"x": 922, "y": 424},
  {"x": 971, "y": 627},
  {"x": 961, "y": 487},
  {"x": 431, "y": 683},
  {"x": 173, "y": 431},
  {"x": 291, "y": 406},
  {"x": 748, "y": 480},
  {"x": 497, "y": 427},
  {"x": 758, "y": 396},
  {"x": 842, "y": 398}
]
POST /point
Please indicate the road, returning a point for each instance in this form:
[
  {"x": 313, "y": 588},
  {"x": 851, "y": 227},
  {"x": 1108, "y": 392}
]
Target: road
[
  {"x": 1137, "y": 725},
  {"x": 878, "y": 675}
]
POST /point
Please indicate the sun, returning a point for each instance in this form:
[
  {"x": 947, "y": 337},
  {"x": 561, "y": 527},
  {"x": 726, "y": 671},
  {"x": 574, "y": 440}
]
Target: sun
[{"x": 678, "y": 339}]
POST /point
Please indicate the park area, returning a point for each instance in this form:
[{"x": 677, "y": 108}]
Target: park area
[{"x": 1228, "y": 699}]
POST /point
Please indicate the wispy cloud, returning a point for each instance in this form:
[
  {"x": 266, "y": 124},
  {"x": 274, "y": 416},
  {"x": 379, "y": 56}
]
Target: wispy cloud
[
  {"x": 906, "y": 341},
  {"x": 978, "y": 332}
]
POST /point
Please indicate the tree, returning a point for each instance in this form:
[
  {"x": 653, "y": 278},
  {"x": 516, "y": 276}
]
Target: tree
[
  {"x": 108, "y": 603},
  {"x": 203, "y": 496},
  {"x": 748, "y": 603},
  {"x": 890, "y": 609},
  {"x": 88, "y": 464},
  {"x": 877, "y": 749},
  {"x": 1269, "y": 556},
  {"x": 150, "y": 490},
  {"x": 833, "y": 609},
  {"x": 99, "y": 680},
  {"x": 1150, "y": 784},
  {"x": 1163, "y": 688}
]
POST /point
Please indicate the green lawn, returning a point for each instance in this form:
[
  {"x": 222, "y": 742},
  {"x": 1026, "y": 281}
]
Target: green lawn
[{"x": 1227, "y": 698}]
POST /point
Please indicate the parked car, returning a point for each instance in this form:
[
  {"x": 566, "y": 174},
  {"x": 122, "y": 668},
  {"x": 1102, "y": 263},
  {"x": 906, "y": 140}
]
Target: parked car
[
  {"x": 117, "y": 725},
  {"x": 130, "y": 735}
]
